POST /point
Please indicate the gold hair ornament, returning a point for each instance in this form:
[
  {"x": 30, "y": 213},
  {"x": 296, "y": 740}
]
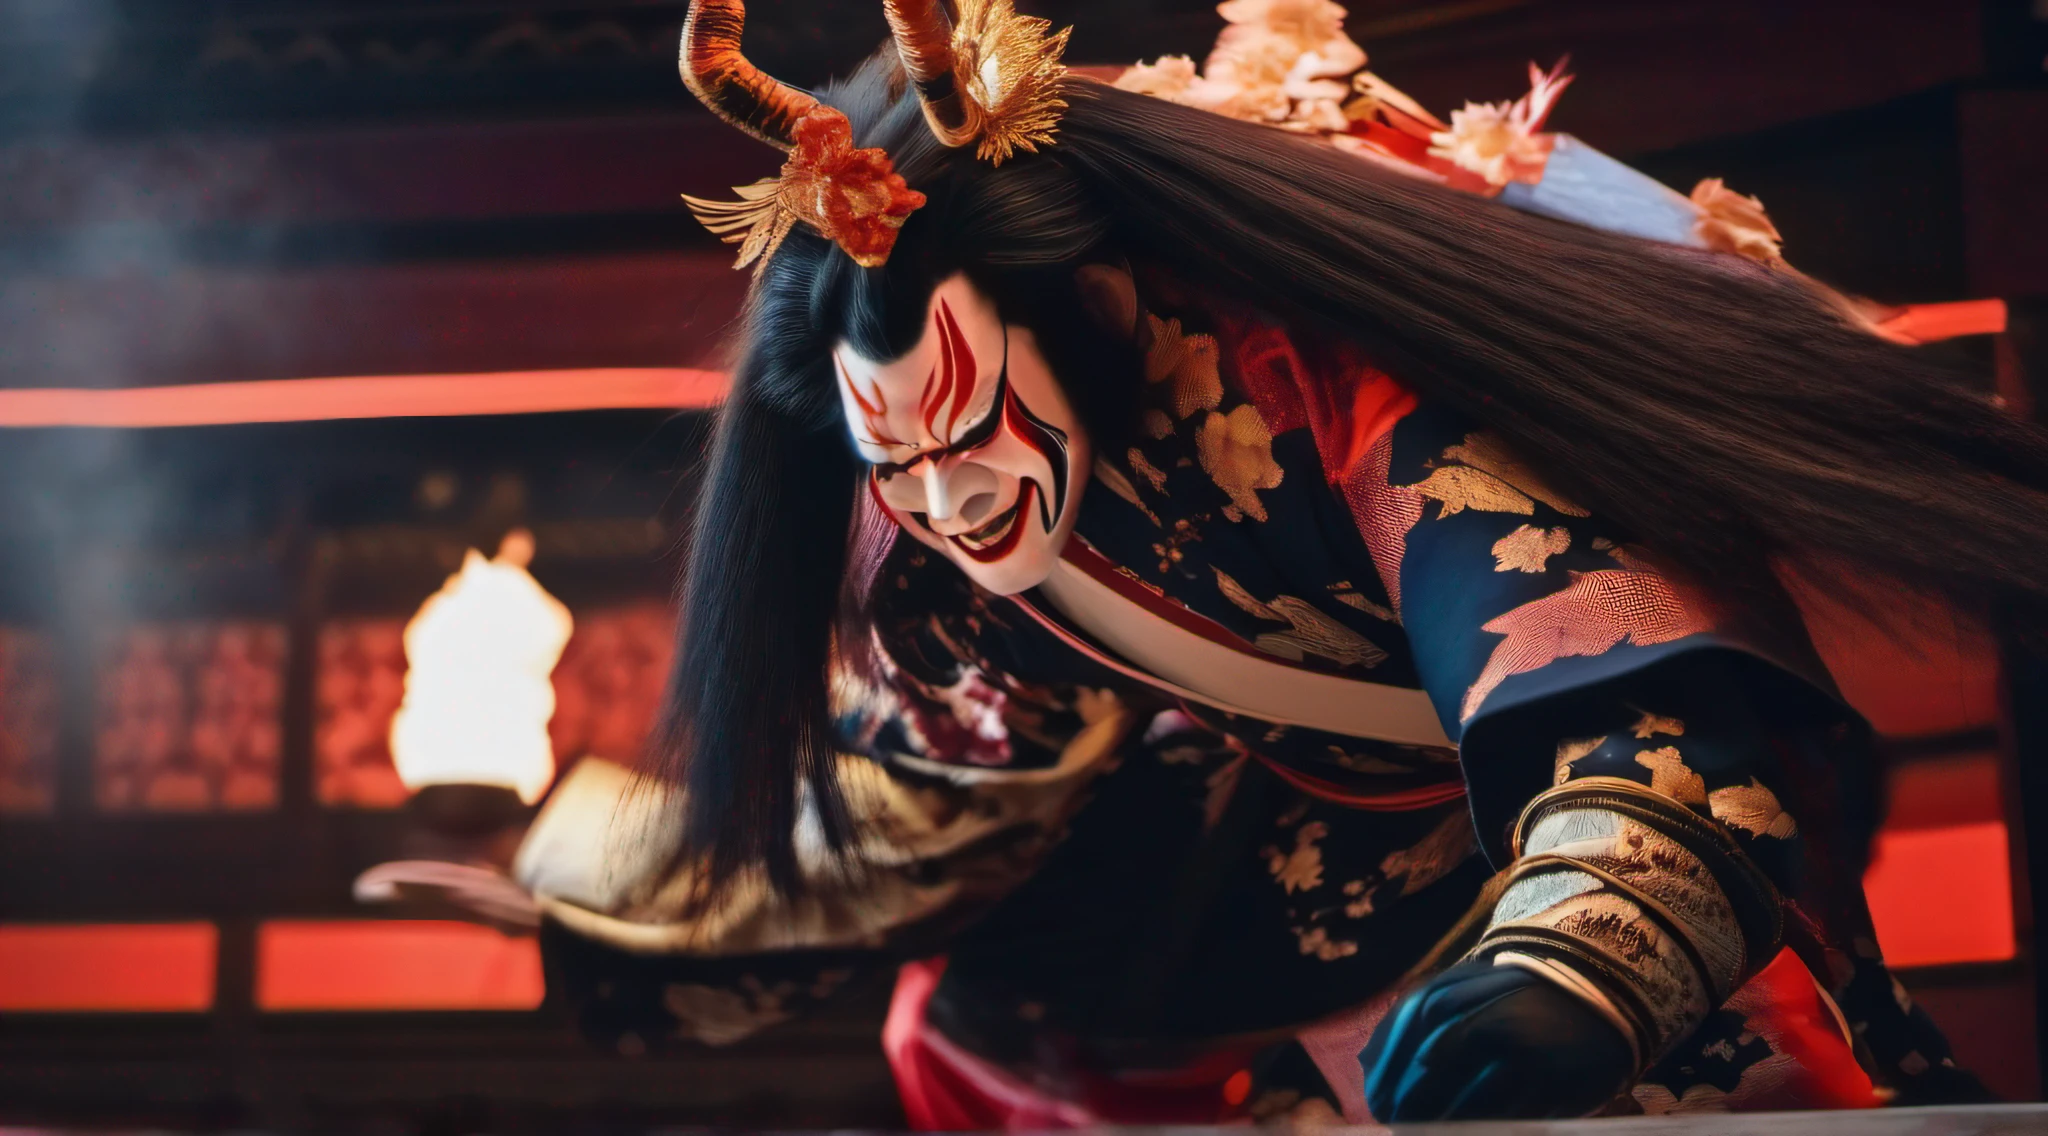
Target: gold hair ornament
[
  {"x": 850, "y": 195},
  {"x": 992, "y": 79}
]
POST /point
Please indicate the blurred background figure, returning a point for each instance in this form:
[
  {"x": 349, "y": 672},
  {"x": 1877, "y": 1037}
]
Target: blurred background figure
[{"x": 300, "y": 301}]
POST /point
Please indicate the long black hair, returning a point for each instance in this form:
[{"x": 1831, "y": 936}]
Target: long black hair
[{"x": 1732, "y": 418}]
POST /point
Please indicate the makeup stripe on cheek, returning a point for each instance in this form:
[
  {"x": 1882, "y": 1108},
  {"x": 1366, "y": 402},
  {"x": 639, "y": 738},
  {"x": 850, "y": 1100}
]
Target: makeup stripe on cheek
[
  {"x": 961, "y": 358},
  {"x": 877, "y": 415},
  {"x": 1049, "y": 441},
  {"x": 933, "y": 401}
]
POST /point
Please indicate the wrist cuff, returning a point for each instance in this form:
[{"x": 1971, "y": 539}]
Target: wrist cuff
[{"x": 1641, "y": 897}]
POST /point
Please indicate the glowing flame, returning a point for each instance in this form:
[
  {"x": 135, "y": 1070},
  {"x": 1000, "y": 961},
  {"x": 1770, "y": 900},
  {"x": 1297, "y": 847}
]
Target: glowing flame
[{"x": 477, "y": 692}]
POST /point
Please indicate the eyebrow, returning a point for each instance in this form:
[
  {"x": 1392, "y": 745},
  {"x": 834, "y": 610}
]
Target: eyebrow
[
  {"x": 957, "y": 375},
  {"x": 974, "y": 437},
  {"x": 953, "y": 380}
]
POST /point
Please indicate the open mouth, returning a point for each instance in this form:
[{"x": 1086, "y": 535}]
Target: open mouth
[
  {"x": 997, "y": 527},
  {"x": 1001, "y": 535}
]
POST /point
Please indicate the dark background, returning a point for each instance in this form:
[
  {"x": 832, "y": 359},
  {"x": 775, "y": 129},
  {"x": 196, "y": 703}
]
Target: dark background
[{"x": 257, "y": 189}]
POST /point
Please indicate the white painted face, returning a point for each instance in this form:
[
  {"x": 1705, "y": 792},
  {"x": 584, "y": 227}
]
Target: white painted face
[{"x": 974, "y": 448}]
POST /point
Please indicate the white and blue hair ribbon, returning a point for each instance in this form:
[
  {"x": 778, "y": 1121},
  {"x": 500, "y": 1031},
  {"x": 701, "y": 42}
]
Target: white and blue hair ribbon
[{"x": 1583, "y": 185}]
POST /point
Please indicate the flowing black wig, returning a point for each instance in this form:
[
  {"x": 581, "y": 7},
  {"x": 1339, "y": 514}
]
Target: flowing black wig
[{"x": 1733, "y": 418}]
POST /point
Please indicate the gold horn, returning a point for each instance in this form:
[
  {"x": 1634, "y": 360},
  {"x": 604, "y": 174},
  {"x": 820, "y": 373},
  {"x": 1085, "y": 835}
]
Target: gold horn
[
  {"x": 736, "y": 90},
  {"x": 924, "y": 37}
]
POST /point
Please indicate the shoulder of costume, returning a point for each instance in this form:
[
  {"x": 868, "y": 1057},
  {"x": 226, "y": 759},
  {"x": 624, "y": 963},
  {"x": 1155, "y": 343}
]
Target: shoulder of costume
[
  {"x": 1497, "y": 149},
  {"x": 1494, "y": 149}
]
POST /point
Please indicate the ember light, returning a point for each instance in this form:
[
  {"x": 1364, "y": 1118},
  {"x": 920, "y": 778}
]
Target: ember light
[{"x": 478, "y": 693}]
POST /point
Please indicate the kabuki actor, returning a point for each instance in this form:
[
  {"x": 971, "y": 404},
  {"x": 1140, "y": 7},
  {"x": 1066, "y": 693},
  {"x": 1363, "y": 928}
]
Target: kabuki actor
[{"x": 1256, "y": 602}]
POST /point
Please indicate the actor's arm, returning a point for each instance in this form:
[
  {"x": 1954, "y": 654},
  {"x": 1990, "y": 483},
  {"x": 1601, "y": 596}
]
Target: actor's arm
[
  {"x": 1636, "y": 903},
  {"x": 1619, "y": 748}
]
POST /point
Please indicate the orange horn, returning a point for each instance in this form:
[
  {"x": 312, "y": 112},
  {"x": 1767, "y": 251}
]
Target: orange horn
[
  {"x": 924, "y": 37},
  {"x": 734, "y": 89}
]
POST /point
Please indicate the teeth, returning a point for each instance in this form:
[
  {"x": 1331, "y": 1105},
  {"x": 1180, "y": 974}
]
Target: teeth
[{"x": 993, "y": 531}]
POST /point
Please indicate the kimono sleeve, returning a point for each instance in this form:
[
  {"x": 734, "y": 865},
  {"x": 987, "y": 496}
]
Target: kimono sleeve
[
  {"x": 632, "y": 950},
  {"x": 1531, "y": 620}
]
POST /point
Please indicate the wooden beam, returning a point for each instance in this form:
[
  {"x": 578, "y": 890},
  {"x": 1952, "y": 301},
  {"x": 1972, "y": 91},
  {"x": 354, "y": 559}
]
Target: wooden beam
[
  {"x": 1654, "y": 74},
  {"x": 386, "y": 174},
  {"x": 157, "y": 324}
]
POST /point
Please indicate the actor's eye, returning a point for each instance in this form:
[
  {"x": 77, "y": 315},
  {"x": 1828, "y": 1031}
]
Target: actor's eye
[{"x": 984, "y": 428}]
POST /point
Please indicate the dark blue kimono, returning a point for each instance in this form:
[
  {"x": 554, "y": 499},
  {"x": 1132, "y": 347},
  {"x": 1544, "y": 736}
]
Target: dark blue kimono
[{"x": 1198, "y": 880}]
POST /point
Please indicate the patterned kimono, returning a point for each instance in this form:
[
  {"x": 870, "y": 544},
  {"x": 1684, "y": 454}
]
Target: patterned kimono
[{"x": 1121, "y": 903}]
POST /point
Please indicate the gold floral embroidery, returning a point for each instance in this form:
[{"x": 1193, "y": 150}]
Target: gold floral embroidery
[
  {"x": 1752, "y": 808},
  {"x": 1221, "y": 787},
  {"x": 1650, "y": 725},
  {"x": 1488, "y": 478},
  {"x": 1670, "y": 776},
  {"x": 1172, "y": 549},
  {"x": 1301, "y": 869},
  {"x": 1432, "y": 857},
  {"x": 1485, "y": 452},
  {"x": 1237, "y": 453},
  {"x": 1529, "y": 549},
  {"x": 1458, "y": 488},
  {"x": 1235, "y": 593},
  {"x": 1343, "y": 593},
  {"x": 1314, "y": 633},
  {"x": 719, "y": 1016},
  {"x": 1157, "y": 424},
  {"x": 1146, "y": 470},
  {"x": 1187, "y": 363},
  {"x": 1570, "y": 751},
  {"x": 1658, "y": 1100},
  {"x": 1366, "y": 763},
  {"x": 1121, "y": 486},
  {"x": 1317, "y": 941},
  {"x": 1361, "y": 900}
]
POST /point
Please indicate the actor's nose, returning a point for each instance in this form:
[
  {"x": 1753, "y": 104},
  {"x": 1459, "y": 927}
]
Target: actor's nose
[
  {"x": 963, "y": 494},
  {"x": 938, "y": 501}
]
